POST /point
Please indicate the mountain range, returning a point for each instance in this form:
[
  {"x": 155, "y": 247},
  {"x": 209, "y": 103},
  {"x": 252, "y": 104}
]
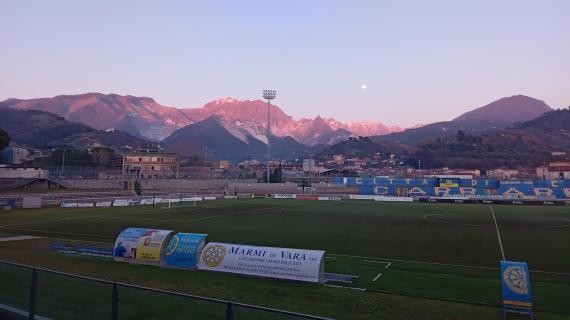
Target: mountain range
[
  {"x": 145, "y": 118},
  {"x": 45, "y": 130},
  {"x": 235, "y": 130},
  {"x": 484, "y": 138}
]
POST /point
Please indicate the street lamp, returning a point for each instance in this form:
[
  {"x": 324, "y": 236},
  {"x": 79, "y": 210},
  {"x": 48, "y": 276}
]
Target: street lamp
[{"x": 269, "y": 95}]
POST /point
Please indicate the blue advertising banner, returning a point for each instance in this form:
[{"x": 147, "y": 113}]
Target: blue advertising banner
[
  {"x": 515, "y": 280},
  {"x": 184, "y": 249}
]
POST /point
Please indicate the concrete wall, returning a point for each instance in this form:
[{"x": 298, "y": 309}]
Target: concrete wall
[
  {"x": 216, "y": 186},
  {"x": 22, "y": 173}
]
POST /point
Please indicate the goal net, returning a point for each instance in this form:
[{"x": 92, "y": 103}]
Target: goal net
[{"x": 174, "y": 200}]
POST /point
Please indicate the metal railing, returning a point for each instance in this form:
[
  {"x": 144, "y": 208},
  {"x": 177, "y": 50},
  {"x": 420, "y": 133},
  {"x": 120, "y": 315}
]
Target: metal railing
[{"x": 113, "y": 306}]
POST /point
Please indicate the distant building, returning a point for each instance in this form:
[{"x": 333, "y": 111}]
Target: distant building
[
  {"x": 503, "y": 173},
  {"x": 554, "y": 170},
  {"x": 16, "y": 155},
  {"x": 222, "y": 164},
  {"x": 151, "y": 163},
  {"x": 338, "y": 159}
]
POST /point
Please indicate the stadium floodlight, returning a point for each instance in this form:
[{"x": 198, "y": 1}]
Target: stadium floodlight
[{"x": 268, "y": 95}]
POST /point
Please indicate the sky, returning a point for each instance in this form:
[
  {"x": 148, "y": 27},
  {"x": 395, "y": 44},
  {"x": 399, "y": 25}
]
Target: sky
[{"x": 421, "y": 61}]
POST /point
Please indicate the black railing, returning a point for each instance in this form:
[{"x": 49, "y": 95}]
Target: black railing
[{"x": 114, "y": 306}]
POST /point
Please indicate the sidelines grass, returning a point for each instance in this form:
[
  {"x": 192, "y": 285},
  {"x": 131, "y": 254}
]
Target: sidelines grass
[{"x": 377, "y": 230}]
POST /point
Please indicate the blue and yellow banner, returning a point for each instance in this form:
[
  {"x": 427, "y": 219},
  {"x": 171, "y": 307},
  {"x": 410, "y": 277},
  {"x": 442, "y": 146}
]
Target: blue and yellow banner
[{"x": 515, "y": 280}]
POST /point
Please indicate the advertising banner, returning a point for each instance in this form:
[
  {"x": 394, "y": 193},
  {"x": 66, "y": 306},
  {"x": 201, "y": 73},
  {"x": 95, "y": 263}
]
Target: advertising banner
[
  {"x": 361, "y": 197},
  {"x": 284, "y": 196},
  {"x": 103, "y": 203},
  {"x": 85, "y": 204},
  {"x": 148, "y": 201},
  {"x": 393, "y": 199},
  {"x": 280, "y": 263},
  {"x": 126, "y": 244},
  {"x": 68, "y": 205},
  {"x": 209, "y": 198},
  {"x": 515, "y": 280},
  {"x": 184, "y": 249},
  {"x": 121, "y": 203},
  {"x": 187, "y": 199},
  {"x": 306, "y": 198},
  {"x": 150, "y": 245}
]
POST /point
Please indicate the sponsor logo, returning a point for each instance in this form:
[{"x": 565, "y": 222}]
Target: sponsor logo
[
  {"x": 515, "y": 279},
  {"x": 214, "y": 255},
  {"x": 172, "y": 245}
]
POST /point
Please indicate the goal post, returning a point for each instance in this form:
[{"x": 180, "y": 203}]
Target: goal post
[{"x": 180, "y": 199}]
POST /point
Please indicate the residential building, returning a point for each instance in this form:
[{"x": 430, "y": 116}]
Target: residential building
[
  {"x": 554, "y": 170},
  {"x": 151, "y": 163}
]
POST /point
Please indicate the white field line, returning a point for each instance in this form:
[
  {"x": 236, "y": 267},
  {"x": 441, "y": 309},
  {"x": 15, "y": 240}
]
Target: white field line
[
  {"x": 387, "y": 264},
  {"x": 376, "y": 278},
  {"x": 78, "y": 240},
  {"x": 343, "y": 287},
  {"x": 65, "y": 233},
  {"x": 498, "y": 233},
  {"x": 429, "y": 217},
  {"x": 442, "y": 264},
  {"x": 54, "y": 220},
  {"x": 333, "y": 254},
  {"x": 414, "y": 261},
  {"x": 333, "y": 258},
  {"x": 18, "y": 238},
  {"x": 233, "y": 214}
]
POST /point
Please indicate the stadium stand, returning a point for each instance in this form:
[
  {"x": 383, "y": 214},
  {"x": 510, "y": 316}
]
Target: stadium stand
[{"x": 459, "y": 187}]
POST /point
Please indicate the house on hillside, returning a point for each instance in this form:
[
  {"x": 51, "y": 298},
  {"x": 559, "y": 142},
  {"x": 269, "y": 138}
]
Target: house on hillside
[{"x": 554, "y": 171}]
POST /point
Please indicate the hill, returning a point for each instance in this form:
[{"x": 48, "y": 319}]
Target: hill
[
  {"x": 526, "y": 144},
  {"x": 495, "y": 115},
  {"x": 46, "y": 130},
  {"x": 508, "y": 110},
  {"x": 235, "y": 144}
]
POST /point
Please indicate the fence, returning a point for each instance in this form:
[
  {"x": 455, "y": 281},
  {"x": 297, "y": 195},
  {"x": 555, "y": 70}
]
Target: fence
[{"x": 27, "y": 292}]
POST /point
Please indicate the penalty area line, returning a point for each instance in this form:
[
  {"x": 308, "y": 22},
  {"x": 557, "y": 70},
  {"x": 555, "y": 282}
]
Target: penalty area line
[{"x": 376, "y": 278}]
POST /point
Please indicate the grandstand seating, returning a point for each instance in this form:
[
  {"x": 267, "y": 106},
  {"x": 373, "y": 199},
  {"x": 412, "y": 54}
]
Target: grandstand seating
[{"x": 450, "y": 187}]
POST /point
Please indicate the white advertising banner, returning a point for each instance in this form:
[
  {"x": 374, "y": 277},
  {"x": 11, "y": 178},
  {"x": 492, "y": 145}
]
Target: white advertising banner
[
  {"x": 281, "y": 263},
  {"x": 284, "y": 196},
  {"x": 323, "y": 198},
  {"x": 85, "y": 204},
  {"x": 192, "y": 199},
  {"x": 147, "y": 201},
  {"x": 361, "y": 197},
  {"x": 68, "y": 205},
  {"x": 121, "y": 203},
  {"x": 209, "y": 198},
  {"x": 103, "y": 203},
  {"x": 393, "y": 199}
]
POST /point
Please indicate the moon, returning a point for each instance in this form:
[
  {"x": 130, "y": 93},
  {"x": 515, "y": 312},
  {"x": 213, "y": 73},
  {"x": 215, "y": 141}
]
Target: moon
[{"x": 363, "y": 87}]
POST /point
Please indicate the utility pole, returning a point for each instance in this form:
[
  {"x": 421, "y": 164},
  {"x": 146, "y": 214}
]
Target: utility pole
[
  {"x": 269, "y": 95},
  {"x": 63, "y": 163}
]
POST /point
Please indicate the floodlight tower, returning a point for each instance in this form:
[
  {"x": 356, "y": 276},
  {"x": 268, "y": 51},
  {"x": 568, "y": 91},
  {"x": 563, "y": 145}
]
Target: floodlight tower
[{"x": 269, "y": 95}]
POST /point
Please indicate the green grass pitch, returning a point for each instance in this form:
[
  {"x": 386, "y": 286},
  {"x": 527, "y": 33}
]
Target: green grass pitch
[{"x": 412, "y": 260}]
